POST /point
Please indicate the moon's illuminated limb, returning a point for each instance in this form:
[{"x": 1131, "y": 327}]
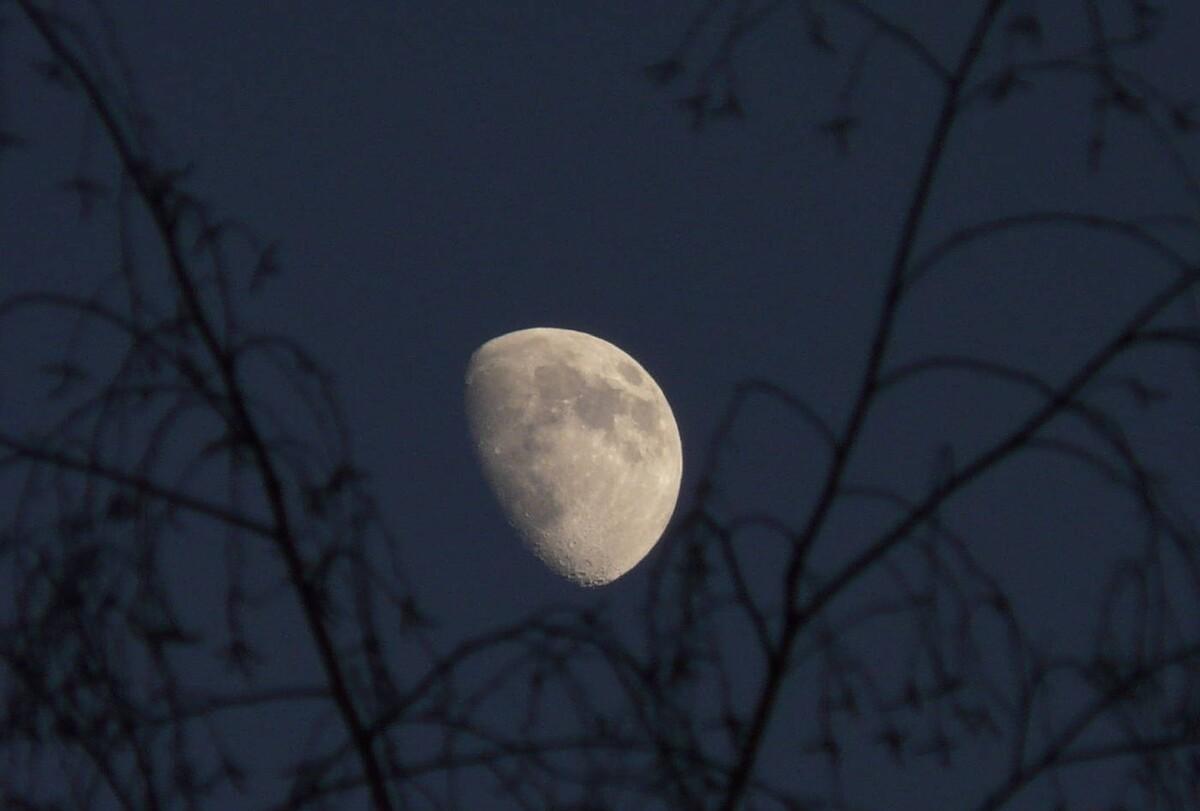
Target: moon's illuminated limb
[{"x": 579, "y": 445}]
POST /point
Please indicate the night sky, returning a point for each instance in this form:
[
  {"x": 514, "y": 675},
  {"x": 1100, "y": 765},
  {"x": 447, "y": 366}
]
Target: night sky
[{"x": 438, "y": 174}]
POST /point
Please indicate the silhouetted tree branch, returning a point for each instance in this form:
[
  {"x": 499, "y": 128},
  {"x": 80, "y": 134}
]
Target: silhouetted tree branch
[
  {"x": 117, "y": 684},
  {"x": 961, "y": 92}
]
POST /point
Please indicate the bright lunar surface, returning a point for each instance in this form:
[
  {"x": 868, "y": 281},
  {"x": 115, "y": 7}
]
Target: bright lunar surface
[{"x": 579, "y": 445}]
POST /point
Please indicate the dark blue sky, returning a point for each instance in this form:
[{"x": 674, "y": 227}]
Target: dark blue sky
[{"x": 441, "y": 173}]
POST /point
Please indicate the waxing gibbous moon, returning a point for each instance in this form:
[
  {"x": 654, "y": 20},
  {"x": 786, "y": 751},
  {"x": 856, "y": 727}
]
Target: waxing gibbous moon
[{"x": 579, "y": 446}]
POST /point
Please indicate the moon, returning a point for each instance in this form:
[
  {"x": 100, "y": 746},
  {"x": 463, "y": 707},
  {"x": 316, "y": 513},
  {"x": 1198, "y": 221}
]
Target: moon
[{"x": 579, "y": 446}]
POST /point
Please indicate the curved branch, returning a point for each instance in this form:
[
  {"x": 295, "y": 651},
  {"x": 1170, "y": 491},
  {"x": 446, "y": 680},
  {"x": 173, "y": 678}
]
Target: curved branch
[
  {"x": 1060, "y": 400},
  {"x": 745, "y": 597},
  {"x": 163, "y": 202},
  {"x": 1057, "y": 749},
  {"x": 907, "y": 39},
  {"x": 794, "y": 621},
  {"x": 979, "y": 231},
  {"x": 139, "y": 483}
]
